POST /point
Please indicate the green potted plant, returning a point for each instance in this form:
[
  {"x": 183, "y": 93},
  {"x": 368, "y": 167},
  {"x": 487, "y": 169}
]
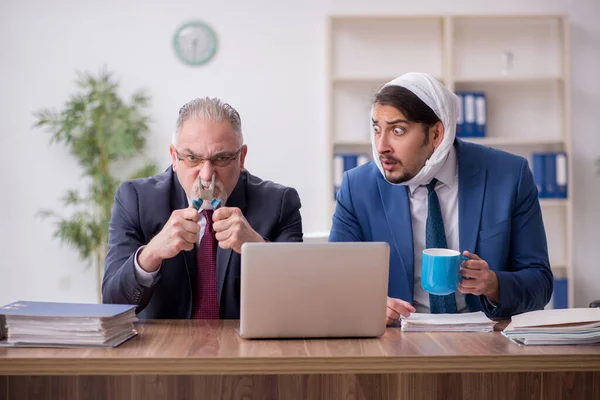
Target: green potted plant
[{"x": 100, "y": 129}]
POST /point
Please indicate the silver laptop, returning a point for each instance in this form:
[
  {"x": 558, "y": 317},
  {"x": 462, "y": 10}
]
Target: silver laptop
[{"x": 302, "y": 290}]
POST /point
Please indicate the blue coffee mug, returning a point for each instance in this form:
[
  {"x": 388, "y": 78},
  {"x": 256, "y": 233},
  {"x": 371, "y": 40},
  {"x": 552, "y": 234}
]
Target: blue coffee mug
[{"x": 440, "y": 270}]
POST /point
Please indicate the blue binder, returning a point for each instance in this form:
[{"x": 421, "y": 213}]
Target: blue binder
[
  {"x": 480, "y": 114},
  {"x": 470, "y": 129},
  {"x": 338, "y": 173},
  {"x": 539, "y": 174},
  {"x": 561, "y": 293},
  {"x": 561, "y": 175},
  {"x": 47, "y": 309},
  {"x": 460, "y": 121},
  {"x": 350, "y": 161},
  {"x": 550, "y": 175},
  {"x": 363, "y": 158},
  {"x": 342, "y": 163}
]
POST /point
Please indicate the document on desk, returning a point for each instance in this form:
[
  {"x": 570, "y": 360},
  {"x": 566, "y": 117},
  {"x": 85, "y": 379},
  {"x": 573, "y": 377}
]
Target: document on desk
[
  {"x": 44, "y": 324},
  {"x": 555, "y": 327},
  {"x": 464, "y": 322}
]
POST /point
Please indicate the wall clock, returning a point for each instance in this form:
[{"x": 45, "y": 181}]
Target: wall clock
[{"x": 195, "y": 43}]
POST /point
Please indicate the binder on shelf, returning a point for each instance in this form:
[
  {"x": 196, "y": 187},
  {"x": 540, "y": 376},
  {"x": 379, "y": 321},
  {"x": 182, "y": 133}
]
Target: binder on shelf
[
  {"x": 550, "y": 174},
  {"x": 343, "y": 162},
  {"x": 363, "y": 159},
  {"x": 460, "y": 120},
  {"x": 469, "y": 115},
  {"x": 561, "y": 293},
  {"x": 350, "y": 161},
  {"x": 539, "y": 161},
  {"x": 469, "y": 130},
  {"x": 480, "y": 114},
  {"x": 561, "y": 175},
  {"x": 338, "y": 173},
  {"x": 550, "y": 305}
]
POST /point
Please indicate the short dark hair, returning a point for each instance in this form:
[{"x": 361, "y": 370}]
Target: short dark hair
[{"x": 409, "y": 104}]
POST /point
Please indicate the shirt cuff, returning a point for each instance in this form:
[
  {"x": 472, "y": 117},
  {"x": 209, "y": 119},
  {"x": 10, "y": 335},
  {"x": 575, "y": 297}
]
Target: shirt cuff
[
  {"x": 494, "y": 305},
  {"x": 488, "y": 307},
  {"x": 144, "y": 278}
]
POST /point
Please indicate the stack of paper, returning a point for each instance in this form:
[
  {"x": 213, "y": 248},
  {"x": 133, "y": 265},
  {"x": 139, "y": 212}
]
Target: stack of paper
[
  {"x": 40, "y": 324},
  {"x": 468, "y": 322},
  {"x": 549, "y": 327}
]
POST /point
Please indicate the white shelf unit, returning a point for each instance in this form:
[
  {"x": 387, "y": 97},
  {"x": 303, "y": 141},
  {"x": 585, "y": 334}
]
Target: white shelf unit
[{"x": 520, "y": 62}]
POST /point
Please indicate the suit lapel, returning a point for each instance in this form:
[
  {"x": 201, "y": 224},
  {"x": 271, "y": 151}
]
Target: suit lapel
[
  {"x": 397, "y": 211},
  {"x": 179, "y": 201},
  {"x": 471, "y": 188},
  {"x": 236, "y": 199}
]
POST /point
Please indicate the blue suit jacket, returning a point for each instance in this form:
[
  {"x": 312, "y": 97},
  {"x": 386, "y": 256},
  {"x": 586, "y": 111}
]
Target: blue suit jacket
[
  {"x": 499, "y": 219},
  {"x": 141, "y": 209}
]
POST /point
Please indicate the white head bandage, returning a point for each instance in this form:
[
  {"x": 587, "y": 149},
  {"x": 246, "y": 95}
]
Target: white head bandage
[{"x": 444, "y": 104}]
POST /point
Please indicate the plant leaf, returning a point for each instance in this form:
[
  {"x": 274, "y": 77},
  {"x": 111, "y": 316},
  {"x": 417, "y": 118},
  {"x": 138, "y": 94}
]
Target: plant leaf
[
  {"x": 99, "y": 128},
  {"x": 71, "y": 198},
  {"x": 78, "y": 232}
]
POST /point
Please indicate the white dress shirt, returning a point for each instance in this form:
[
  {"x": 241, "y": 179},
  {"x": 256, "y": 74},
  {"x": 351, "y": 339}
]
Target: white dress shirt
[
  {"x": 145, "y": 278},
  {"x": 447, "y": 192}
]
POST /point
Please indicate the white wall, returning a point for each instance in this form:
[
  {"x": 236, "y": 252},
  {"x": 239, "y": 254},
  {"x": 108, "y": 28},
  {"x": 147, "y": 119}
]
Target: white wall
[{"x": 270, "y": 65}]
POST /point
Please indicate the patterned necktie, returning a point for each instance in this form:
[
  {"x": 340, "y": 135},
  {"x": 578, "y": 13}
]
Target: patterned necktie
[
  {"x": 435, "y": 237},
  {"x": 206, "y": 304}
]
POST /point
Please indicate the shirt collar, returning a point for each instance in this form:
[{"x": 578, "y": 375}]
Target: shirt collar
[{"x": 447, "y": 174}]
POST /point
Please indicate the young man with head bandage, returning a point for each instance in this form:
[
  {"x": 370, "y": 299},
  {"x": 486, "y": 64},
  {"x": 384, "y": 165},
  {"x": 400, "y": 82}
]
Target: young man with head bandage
[
  {"x": 423, "y": 179},
  {"x": 176, "y": 237}
]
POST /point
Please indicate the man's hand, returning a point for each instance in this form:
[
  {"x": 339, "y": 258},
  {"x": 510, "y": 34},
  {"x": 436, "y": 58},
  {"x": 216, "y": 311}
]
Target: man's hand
[
  {"x": 482, "y": 280},
  {"x": 179, "y": 233},
  {"x": 396, "y": 308},
  {"x": 232, "y": 230}
]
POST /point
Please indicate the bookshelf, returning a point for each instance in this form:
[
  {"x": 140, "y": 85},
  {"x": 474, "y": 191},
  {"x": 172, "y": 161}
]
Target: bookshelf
[{"x": 521, "y": 63}]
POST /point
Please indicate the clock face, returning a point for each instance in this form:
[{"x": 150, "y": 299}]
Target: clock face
[{"x": 195, "y": 43}]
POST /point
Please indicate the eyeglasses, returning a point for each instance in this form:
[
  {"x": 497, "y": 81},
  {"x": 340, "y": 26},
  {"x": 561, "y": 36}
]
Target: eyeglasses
[{"x": 219, "y": 160}]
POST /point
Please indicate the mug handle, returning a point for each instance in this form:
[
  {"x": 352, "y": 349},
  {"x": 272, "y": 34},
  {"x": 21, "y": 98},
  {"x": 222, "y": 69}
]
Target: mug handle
[{"x": 462, "y": 259}]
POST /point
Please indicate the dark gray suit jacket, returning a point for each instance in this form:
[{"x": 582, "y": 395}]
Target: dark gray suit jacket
[{"x": 141, "y": 209}]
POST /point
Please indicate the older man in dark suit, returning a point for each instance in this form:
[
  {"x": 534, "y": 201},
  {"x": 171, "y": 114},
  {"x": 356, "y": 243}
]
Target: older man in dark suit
[{"x": 174, "y": 261}]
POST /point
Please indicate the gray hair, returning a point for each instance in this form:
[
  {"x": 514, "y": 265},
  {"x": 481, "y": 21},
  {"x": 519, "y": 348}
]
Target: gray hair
[{"x": 210, "y": 109}]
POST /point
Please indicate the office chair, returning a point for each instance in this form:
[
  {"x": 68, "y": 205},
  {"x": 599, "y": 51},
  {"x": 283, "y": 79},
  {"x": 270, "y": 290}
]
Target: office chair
[{"x": 595, "y": 303}]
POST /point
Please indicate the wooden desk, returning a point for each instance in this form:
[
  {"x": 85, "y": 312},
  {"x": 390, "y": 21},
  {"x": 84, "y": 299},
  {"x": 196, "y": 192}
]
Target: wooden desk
[{"x": 207, "y": 359}]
